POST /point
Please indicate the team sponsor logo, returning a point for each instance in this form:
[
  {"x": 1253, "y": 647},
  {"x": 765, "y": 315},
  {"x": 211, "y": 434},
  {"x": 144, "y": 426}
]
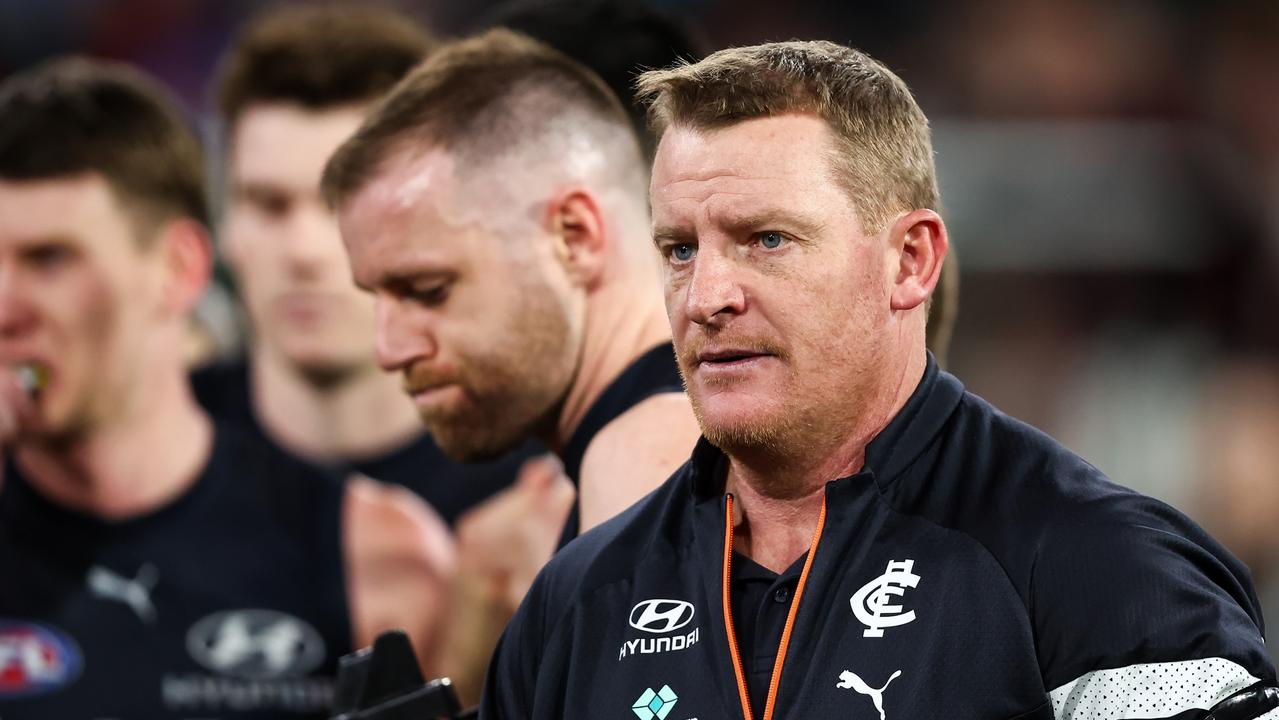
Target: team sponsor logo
[
  {"x": 658, "y": 704},
  {"x": 848, "y": 680},
  {"x": 660, "y": 616},
  {"x": 255, "y": 644},
  {"x": 875, "y": 604},
  {"x": 36, "y": 659},
  {"x": 259, "y": 661}
]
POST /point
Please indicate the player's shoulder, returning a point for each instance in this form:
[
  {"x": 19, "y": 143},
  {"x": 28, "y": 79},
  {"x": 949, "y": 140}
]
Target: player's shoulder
[
  {"x": 657, "y": 432},
  {"x": 221, "y": 387},
  {"x": 654, "y": 530},
  {"x": 1021, "y": 494},
  {"x": 268, "y": 481},
  {"x": 1053, "y": 484}
]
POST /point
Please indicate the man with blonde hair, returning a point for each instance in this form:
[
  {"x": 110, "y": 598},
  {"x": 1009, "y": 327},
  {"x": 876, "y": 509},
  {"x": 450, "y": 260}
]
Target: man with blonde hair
[{"x": 855, "y": 535}]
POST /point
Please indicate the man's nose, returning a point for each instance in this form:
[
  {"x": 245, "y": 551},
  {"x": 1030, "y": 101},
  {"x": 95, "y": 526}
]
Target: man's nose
[
  {"x": 310, "y": 240},
  {"x": 714, "y": 292},
  {"x": 16, "y": 315},
  {"x": 402, "y": 337}
]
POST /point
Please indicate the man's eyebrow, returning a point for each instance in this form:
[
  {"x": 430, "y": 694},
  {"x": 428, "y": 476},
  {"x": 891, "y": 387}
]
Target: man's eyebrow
[
  {"x": 776, "y": 219},
  {"x": 404, "y": 278},
  {"x": 670, "y": 233}
]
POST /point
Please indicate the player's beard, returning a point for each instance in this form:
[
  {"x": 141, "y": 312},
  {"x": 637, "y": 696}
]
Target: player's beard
[{"x": 512, "y": 390}]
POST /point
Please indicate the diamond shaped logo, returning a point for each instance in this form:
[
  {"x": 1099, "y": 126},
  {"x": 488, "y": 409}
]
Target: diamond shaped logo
[{"x": 655, "y": 704}]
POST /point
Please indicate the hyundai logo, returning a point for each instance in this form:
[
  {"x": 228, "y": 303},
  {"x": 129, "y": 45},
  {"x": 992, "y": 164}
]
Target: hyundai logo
[
  {"x": 256, "y": 644},
  {"x": 661, "y": 616}
]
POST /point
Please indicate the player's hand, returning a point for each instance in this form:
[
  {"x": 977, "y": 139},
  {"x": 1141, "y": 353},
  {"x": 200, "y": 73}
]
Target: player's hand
[{"x": 504, "y": 542}]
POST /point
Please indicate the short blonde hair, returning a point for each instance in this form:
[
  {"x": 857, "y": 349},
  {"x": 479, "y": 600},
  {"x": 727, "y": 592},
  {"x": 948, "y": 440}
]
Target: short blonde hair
[{"x": 884, "y": 154}]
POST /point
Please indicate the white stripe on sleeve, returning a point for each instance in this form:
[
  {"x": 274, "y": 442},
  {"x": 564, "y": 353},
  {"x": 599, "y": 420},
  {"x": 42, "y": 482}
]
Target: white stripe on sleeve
[{"x": 1151, "y": 690}]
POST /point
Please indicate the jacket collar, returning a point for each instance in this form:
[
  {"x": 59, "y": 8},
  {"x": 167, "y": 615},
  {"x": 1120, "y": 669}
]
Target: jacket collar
[{"x": 888, "y": 455}]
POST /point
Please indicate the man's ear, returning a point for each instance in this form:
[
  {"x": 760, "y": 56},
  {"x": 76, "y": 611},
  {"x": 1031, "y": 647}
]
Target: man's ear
[
  {"x": 576, "y": 225},
  {"x": 187, "y": 259},
  {"x": 919, "y": 241}
]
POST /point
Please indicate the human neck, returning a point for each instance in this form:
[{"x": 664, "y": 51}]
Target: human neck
[
  {"x": 363, "y": 415},
  {"x": 135, "y": 465},
  {"x": 623, "y": 321},
  {"x": 779, "y": 493}
]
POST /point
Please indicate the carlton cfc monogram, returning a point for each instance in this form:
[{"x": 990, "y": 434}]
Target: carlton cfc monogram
[{"x": 872, "y": 604}]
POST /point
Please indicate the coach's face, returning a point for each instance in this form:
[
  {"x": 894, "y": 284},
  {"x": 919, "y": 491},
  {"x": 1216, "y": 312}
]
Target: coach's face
[
  {"x": 778, "y": 301},
  {"x": 79, "y": 296},
  {"x": 282, "y": 240},
  {"x": 474, "y": 306}
]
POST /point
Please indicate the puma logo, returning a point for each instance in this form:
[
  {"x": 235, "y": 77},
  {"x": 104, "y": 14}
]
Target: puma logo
[
  {"x": 136, "y": 593},
  {"x": 849, "y": 681}
]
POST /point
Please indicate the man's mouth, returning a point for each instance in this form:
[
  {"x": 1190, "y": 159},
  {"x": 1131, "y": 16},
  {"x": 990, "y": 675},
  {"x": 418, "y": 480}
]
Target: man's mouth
[{"x": 726, "y": 357}]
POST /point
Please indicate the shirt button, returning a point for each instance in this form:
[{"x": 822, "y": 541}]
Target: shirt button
[{"x": 782, "y": 595}]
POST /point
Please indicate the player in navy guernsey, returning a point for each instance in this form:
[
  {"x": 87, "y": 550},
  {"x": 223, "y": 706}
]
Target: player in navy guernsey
[
  {"x": 856, "y": 536},
  {"x": 295, "y": 83},
  {"x": 154, "y": 565},
  {"x": 494, "y": 205}
]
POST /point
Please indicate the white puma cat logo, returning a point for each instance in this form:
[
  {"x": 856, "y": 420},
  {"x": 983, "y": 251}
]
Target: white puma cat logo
[
  {"x": 848, "y": 680},
  {"x": 136, "y": 593}
]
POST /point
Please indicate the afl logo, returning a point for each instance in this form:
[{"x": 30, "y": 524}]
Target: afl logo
[
  {"x": 258, "y": 644},
  {"x": 36, "y": 659},
  {"x": 661, "y": 616}
]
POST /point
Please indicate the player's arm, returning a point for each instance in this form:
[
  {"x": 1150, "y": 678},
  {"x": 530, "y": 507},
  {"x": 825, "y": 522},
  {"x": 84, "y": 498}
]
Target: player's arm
[
  {"x": 1148, "y": 618},
  {"x": 634, "y": 454},
  {"x": 400, "y": 559}
]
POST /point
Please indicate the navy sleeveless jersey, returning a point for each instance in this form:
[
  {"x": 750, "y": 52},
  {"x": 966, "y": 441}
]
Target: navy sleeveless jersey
[
  {"x": 419, "y": 465},
  {"x": 973, "y": 569},
  {"x": 228, "y": 602},
  {"x": 653, "y": 373}
]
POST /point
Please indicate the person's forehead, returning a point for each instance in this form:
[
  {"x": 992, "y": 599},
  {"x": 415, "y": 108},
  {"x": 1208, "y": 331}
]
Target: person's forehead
[
  {"x": 409, "y": 215},
  {"x": 776, "y": 157},
  {"x": 281, "y": 141},
  {"x": 71, "y": 207}
]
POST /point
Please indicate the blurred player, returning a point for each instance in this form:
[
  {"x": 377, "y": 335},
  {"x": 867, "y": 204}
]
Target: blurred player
[
  {"x": 154, "y": 564},
  {"x": 294, "y": 84}
]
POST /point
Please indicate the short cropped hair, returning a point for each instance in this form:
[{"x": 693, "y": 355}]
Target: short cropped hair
[
  {"x": 617, "y": 39},
  {"x": 75, "y": 115},
  {"x": 318, "y": 56},
  {"x": 480, "y": 99},
  {"x": 884, "y": 152}
]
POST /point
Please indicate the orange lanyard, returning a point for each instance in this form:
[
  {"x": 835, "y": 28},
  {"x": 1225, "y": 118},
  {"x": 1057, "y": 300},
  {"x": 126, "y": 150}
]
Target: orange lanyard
[{"x": 742, "y": 692}]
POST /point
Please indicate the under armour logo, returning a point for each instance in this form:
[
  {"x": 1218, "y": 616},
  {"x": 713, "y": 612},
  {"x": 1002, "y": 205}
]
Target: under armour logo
[
  {"x": 871, "y": 604},
  {"x": 136, "y": 593},
  {"x": 848, "y": 680}
]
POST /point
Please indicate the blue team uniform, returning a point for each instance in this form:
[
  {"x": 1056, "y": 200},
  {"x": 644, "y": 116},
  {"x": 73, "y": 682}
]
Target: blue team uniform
[{"x": 973, "y": 569}]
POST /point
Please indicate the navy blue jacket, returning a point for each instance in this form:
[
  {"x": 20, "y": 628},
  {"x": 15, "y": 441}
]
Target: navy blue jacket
[{"x": 973, "y": 569}]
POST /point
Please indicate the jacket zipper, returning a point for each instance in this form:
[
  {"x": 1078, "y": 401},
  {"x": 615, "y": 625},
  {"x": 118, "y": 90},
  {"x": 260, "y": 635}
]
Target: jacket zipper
[{"x": 743, "y": 692}]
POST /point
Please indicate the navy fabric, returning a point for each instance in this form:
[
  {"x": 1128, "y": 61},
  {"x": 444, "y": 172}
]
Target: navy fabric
[
  {"x": 228, "y": 602},
  {"x": 653, "y": 373},
  {"x": 1023, "y": 566},
  {"x": 223, "y": 389}
]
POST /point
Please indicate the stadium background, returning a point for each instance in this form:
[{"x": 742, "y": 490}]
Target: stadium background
[{"x": 1110, "y": 174}]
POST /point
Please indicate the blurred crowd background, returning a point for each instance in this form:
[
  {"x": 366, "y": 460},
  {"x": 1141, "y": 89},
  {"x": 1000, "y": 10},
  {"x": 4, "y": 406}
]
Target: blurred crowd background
[{"x": 1110, "y": 174}]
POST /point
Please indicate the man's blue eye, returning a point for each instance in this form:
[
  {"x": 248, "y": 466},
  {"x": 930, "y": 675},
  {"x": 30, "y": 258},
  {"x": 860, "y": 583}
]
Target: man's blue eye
[
  {"x": 771, "y": 240},
  {"x": 682, "y": 252}
]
